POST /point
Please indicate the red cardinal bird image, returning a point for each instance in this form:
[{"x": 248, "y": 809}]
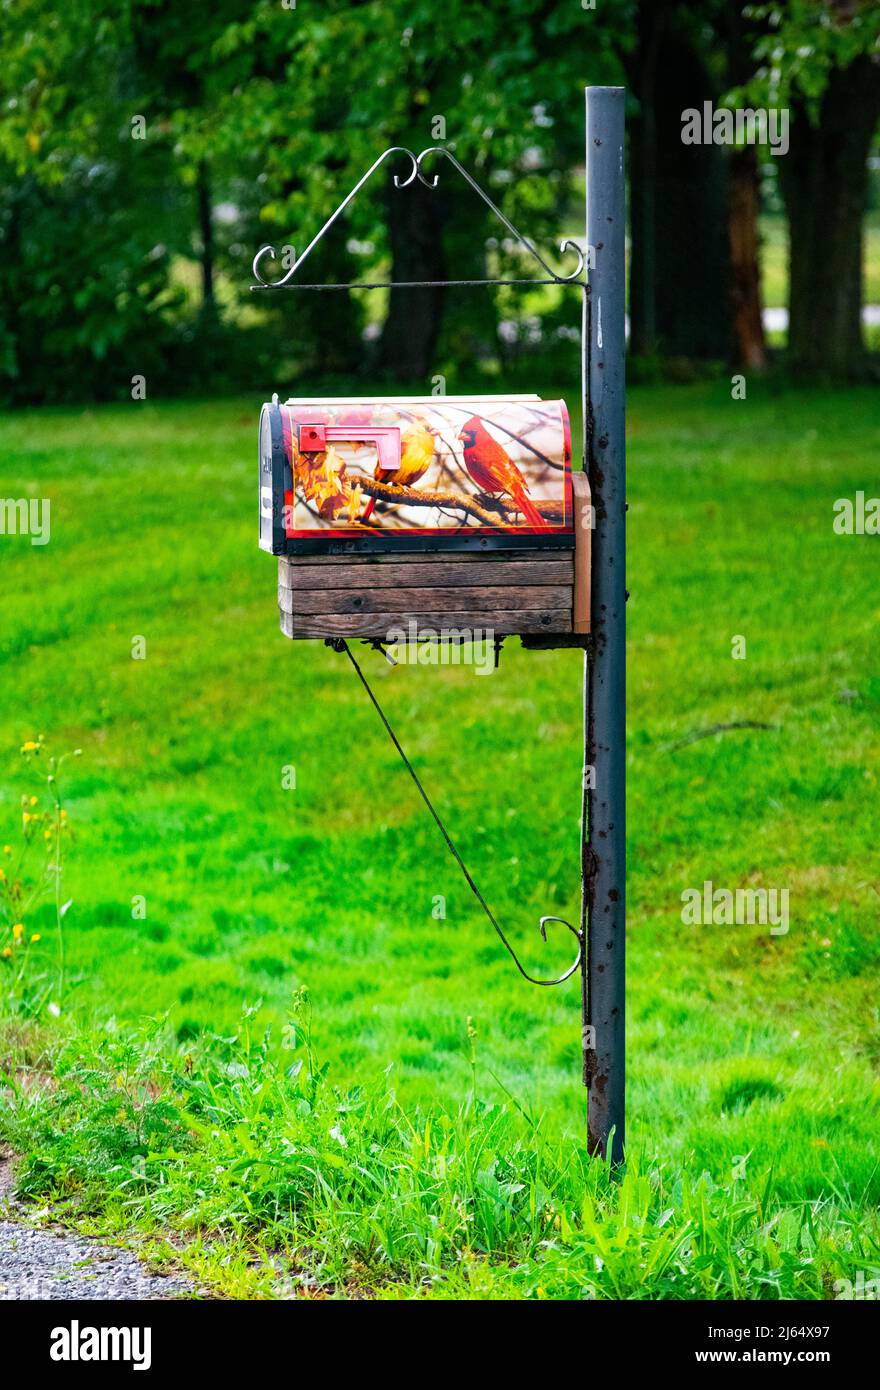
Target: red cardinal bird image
[
  {"x": 493, "y": 470},
  {"x": 416, "y": 453}
]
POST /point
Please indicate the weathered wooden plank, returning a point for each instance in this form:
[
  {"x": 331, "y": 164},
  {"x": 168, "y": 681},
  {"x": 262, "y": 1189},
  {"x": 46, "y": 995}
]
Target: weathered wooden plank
[
  {"x": 486, "y": 600},
  {"x": 583, "y": 513},
  {"x": 447, "y": 575},
  {"x": 424, "y": 557},
  {"x": 380, "y": 625}
]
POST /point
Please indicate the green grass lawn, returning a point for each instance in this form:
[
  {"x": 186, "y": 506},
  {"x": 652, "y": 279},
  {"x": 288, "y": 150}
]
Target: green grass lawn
[{"x": 431, "y": 1143}]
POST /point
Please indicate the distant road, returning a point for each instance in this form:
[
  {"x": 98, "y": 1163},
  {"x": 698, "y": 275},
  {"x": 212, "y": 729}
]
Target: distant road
[{"x": 776, "y": 320}]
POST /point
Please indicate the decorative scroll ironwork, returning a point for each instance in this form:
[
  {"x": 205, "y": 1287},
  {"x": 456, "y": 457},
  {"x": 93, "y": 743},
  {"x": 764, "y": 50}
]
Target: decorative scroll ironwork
[{"x": 551, "y": 276}]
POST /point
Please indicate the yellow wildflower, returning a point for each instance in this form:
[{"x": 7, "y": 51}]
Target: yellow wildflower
[
  {"x": 6, "y": 952},
  {"x": 18, "y": 931},
  {"x": 35, "y": 937}
]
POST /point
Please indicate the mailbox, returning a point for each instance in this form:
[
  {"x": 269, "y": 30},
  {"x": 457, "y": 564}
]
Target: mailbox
[
  {"x": 434, "y": 473},
  {"x": 449, "y": 512}
]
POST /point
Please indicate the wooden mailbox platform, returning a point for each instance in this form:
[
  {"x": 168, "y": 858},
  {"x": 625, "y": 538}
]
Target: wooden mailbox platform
[{"x": 514, "y": 593}]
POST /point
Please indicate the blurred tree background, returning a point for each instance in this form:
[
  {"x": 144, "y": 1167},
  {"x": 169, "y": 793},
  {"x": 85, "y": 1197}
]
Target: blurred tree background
[{"x": 148, "y": 148}]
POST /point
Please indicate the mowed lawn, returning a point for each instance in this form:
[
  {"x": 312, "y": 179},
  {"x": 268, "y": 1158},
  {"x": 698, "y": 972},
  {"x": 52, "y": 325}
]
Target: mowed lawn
[{"x": 748, "y": 1053}]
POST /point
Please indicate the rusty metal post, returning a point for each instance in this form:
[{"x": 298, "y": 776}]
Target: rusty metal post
[{"x": 604, "y": 850}]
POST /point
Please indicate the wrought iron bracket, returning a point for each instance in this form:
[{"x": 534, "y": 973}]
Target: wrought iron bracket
[
  {"x": 339, "y": 644},
  {"x": 416, "y": 172}
]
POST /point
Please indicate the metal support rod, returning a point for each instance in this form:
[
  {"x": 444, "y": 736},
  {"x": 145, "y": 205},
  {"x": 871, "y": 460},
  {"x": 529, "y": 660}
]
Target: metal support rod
[{"x": 604, "y": 861}]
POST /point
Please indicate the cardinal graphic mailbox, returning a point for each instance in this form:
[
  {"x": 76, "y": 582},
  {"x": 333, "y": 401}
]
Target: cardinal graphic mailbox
[
  {"x": 442, "y": 472},
  {"x": 445, "y": 511}
]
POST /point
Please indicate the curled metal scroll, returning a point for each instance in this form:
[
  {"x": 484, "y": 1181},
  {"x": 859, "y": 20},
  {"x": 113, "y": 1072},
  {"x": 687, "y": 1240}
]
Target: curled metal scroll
[
  {"x": 566, "y": 245},
  {"x": 269, "y": 251},
  {"x": 416, "y": 172},
  {"x": 579, "y": 937}
]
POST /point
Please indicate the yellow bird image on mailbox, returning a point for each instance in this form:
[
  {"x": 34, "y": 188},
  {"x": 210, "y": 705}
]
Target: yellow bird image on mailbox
[{"x": 417, "y": 447}]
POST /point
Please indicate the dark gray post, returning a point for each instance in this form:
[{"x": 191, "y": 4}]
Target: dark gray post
[{"x": 605, "y": 664}]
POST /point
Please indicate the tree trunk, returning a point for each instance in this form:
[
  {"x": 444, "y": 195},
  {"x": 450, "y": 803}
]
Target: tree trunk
[
  {"x": 679, "y": 298},
  {"x": 410, "y": 331},
  {"x": 824, "y": 181},
  {"x": 739, "y": 33},
  {"x": 643, "y": 181},
  {"x": 749, "y": 343}
]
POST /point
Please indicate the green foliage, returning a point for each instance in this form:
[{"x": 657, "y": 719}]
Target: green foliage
[
  {"x": 272, "y": 115},
  {"x": 350, "y": 1194},
  {"x": 85, "y": 217},
  {"x": 804, "y": 42},
  {"x": 126, "y": 256},
  {"x": 85, "y": 300},
  {"x": 32, "y": 872}
]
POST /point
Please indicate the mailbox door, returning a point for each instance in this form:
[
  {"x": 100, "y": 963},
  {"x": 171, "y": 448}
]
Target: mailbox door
[{"x": 276, "y": 482}]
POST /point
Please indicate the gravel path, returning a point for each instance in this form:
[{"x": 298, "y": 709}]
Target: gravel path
[{"x": 40, "y": 1264}]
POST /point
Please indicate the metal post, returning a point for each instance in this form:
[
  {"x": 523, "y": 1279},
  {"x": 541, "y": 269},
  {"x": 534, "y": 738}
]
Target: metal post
[{"x": 604, "y": 862}]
